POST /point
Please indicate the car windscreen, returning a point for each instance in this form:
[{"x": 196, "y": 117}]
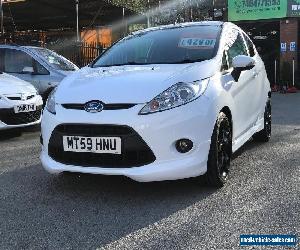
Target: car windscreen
[
  {"x": 55, "y": 60},
  {"x": 163, "y": 46}
]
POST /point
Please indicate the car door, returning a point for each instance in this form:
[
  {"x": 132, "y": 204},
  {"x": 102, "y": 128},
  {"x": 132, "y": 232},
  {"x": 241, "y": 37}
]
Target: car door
[
  {"x": 42, "y": 77},
  {"x": 244, "y": 90},
  {"x": 258, "y": 100},
  {"x": 20, "y": 64}
]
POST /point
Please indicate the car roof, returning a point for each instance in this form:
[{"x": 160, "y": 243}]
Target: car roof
[
  {"x": 180, "y": 25},
  {"x": 18, "y": 46}
]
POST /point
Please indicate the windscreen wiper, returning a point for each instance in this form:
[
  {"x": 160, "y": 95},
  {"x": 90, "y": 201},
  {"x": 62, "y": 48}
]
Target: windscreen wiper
[
  {"x": 188, "y": 61},
  {"x": 121, "y": 64}
]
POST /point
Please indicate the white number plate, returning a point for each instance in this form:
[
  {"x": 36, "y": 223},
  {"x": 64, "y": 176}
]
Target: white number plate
[
  {"x": 98, "y": 145},
  {"x": 24, "y": 108}
]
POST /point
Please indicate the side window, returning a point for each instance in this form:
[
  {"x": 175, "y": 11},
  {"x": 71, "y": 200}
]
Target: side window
[
  {"x": 237, "y": 48},
  {"x": 224, "y": 62},
  {"x": 15, "y": 61},
  {"x": 39, "y": 69},
  {"x": 250, "y": 46}
]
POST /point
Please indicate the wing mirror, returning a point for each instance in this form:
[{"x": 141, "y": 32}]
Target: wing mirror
[
  {"x": 28, "y": 70},
  {"x": 241, "y": 63}
]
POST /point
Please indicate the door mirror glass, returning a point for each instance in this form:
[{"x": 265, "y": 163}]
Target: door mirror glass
[
  {"x": 243, "y": 62},
  {"x": 28, "y": 70}
]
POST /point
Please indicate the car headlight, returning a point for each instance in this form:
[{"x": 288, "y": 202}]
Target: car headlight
[
  {"x": 51, "y": 104},
  {"x": 175, "y": 96}
]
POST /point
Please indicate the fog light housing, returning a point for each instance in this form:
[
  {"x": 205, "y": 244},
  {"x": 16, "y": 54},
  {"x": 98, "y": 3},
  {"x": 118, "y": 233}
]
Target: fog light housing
[{"x": 184, "y": 145}]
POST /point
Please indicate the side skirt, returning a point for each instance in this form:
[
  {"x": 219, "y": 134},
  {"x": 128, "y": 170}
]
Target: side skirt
[{"x": 241, "y": 140}]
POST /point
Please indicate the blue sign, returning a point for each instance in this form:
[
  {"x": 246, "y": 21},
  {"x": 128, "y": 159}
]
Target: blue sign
[
  {"x": 293, "y": 46},
  {"x": 268, "y": 240},
  {"x": 283, "y": 47}
]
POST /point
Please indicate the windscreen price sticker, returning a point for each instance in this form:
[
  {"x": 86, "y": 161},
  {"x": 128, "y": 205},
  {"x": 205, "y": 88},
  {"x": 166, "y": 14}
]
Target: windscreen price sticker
[{"x": 197, "y": 43}]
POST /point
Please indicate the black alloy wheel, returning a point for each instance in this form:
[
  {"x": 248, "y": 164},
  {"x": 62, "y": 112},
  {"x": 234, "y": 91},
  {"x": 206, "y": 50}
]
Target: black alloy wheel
[{"x": 219, "y": 157}]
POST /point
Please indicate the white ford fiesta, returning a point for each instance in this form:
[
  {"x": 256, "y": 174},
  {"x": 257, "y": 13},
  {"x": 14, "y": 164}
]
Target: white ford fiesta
[
  {"x": 20, "y": 105},
  {"x": 164, "y": 103}
]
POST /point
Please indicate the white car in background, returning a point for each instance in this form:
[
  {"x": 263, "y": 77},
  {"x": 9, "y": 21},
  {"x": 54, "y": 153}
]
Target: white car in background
[
  {"x": 164, "y": 103},
  {"x": 20, "y": 105}
]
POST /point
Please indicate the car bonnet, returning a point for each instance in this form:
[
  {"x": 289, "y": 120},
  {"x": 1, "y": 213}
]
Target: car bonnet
[
  {"x": 13, "y": 85},
  {"x": 129, "y": 84}
]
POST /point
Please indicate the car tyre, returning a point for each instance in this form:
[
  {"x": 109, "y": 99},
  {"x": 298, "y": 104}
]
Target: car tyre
[
  {"x": 220, "y": 152},
  {"x": 265, "y": 134}
]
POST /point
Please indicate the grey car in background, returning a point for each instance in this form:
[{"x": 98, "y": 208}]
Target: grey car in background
[{"x": 42, "y": 67}]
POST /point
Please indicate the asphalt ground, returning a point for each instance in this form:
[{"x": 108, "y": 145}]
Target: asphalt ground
[{"x": 43, "y": 211}]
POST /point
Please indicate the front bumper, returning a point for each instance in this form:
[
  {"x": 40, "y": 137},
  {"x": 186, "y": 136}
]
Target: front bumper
[
  {"x": 4, "y": 126},
  {"x": 160, "y": 131},
  {"x": 9, "y": 120}
]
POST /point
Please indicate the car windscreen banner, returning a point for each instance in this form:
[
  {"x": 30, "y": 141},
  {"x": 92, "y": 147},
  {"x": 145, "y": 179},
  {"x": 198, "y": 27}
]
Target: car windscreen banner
[{"x": 262, "y": 9}]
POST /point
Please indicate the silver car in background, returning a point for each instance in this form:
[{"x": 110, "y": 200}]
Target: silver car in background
[{"x": 43, "y": 68}]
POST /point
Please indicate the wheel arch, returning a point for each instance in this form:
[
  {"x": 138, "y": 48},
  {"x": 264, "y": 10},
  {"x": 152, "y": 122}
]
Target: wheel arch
[{"x": 226, "y": 110}]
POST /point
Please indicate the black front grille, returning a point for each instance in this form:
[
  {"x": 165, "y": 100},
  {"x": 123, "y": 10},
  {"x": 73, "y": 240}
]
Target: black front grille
[
  {"x": 113, "y": 106},
  {"x": 9, "y": 117},
  {"x": 18, "y": 98},
  {"x": 135, "y": 152},
  {"x": 14, "y": 98}
]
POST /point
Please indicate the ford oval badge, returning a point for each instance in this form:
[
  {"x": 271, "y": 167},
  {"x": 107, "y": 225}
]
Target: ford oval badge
[{"x": 93, "y": 107}]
